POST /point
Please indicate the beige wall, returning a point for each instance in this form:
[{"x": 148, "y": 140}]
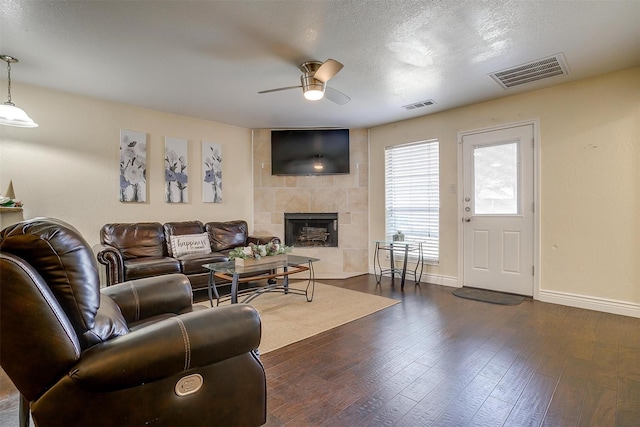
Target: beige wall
[
  {"x": 345, "y": 194},
  {"x": 68, "y": 167},
  {"x": 590, "y": 195},
  {"x": 590, "y": 183}
]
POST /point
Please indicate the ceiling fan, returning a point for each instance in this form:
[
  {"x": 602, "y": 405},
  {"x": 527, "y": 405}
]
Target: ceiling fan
[{"x": 313, "y": 81}]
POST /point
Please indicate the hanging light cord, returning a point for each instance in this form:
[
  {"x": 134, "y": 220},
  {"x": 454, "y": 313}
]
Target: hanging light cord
[{"x": 9, "y": 82}]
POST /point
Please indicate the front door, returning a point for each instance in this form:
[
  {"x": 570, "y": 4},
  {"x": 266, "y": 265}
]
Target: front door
[{"x": 498, "y": 209}]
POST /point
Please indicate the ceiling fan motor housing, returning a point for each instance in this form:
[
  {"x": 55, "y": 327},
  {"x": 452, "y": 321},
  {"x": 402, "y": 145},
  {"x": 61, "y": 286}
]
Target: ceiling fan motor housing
[{"x": 309, "y": 83}]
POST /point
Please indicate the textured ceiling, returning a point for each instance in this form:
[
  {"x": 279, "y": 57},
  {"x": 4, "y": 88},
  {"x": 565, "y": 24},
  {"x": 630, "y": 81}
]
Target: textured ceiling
[{"x": 208, "y": 59}]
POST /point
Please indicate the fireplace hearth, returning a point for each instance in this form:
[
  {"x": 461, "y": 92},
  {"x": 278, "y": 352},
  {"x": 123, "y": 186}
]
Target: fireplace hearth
[{"x": 311, "y": 229}]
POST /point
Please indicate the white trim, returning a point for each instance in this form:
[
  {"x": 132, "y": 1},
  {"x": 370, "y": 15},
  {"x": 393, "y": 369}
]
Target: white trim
[
  {"x": 536, "y": 195},
  {"x": 590, "y": 303},
  {"x": 433, "y": 279},
  {"x": 438, "y": 279}
]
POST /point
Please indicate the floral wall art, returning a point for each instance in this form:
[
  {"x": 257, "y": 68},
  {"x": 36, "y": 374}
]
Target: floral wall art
[
  {"x": 211, "y": 172},
  {"x": 133, "y": 166},
  {"x": 175, "y": 170}
]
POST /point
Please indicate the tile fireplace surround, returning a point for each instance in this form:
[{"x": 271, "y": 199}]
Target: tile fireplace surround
[{"x": 345, "y": 194}]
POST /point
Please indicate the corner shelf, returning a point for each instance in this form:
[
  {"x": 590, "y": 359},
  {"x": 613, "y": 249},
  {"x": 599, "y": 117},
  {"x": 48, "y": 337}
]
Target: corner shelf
[{"x": 6, "y": 210}]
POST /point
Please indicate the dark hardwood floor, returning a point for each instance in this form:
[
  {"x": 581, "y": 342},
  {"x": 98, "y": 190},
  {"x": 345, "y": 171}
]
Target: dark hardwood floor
[
  {"x": 440, "y": 360},
  {"x": 436, "y": 359}
]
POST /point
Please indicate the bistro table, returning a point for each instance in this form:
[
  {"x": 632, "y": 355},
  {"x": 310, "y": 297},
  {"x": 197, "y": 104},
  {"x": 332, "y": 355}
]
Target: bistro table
[
  {"x": 407, "y": 248},
  {"x": 236, "y": 274}
]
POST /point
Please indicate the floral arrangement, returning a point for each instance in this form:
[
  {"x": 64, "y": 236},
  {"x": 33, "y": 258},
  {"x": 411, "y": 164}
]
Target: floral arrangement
[
  {"x": 259, "y": 251},
  {"x": 8, "y": 202}
]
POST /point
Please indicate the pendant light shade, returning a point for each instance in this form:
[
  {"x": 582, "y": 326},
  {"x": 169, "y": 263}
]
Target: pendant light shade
[{"x": 10, "y": 115}]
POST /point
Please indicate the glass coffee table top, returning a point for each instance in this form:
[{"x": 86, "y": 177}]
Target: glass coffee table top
[
  {"x": 230, "y": 267},
  {"x": 271, "y": 271}
]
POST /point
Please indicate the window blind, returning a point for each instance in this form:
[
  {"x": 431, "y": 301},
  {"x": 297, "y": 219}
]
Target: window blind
[{"x": 412, "y": 194}]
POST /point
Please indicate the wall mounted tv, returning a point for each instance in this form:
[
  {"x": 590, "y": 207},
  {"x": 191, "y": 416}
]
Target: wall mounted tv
[{"x": 310, "y": 152}]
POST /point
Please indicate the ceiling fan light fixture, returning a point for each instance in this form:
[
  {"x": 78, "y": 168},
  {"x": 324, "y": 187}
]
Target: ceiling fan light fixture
[
  {"x": 10, "y": 115},
  {"x": 313, "y": 89},
  {"x": 313, "y": 94}
]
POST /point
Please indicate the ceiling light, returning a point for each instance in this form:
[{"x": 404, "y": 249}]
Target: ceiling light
[
  {"x": 313, "y": 89},
  {"x": 10, "y": 115},
  {"x": 313, "y": 94}
]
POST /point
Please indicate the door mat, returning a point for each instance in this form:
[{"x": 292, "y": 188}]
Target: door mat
[{"x": 492, "y": 297}]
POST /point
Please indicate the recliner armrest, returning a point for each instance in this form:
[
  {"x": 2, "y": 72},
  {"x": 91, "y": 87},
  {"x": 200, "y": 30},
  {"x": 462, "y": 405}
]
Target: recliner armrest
[
  {"x": 143, "y": 298},
  {"x": 169, "y": 347}
]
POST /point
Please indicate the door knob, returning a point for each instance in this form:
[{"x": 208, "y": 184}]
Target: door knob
[{"x": 467, "y": 219}]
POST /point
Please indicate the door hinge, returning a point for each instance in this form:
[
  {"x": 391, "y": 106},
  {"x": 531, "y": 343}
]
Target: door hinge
[{"x": 533, "y": 270}]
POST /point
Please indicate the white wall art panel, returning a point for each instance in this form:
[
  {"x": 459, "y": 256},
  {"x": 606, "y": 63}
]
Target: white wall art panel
[
  {"x": 176, "y": 174},
  {"x": 133, "y": 166},
  {"x": 211, "y": 172}
]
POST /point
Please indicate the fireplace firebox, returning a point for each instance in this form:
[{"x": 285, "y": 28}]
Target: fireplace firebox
[{"x": 311, "y": 229}]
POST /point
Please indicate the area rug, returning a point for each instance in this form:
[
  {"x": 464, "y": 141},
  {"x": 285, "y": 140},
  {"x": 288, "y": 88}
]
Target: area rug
[
  {"x": 492, "y": 297},
  {"x": 290, "y": 318}
]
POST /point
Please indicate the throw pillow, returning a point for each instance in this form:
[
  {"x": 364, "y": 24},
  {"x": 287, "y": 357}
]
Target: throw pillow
[{"x": 190, "y": 244}]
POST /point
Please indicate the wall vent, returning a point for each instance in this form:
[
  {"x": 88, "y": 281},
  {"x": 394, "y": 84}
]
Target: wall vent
[
  {"x": 531, "y": 71},
  {"x": 419, "y": 104}
]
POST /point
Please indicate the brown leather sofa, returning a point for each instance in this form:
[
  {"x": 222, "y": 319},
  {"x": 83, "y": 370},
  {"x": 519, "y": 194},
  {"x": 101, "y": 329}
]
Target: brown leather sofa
[
  {"x": 137, "y": 353},
  {"x": 143, "y": 249}
]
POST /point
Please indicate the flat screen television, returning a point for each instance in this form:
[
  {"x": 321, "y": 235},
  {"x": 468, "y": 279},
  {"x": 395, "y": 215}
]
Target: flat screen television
[{"x": 310, "y": 152}]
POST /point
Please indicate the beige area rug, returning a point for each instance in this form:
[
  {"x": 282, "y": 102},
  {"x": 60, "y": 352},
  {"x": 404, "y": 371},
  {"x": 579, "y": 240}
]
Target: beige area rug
[{"x": 290, "y": 318}]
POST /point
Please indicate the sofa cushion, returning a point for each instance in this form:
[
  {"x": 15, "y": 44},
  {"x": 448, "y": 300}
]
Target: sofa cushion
[
  {"x": 142, "y": 239},
  {"x": 150, "y": 266},
  {"x": 178, "y": 228},
  {"x": 193, "y": 263},
  {"x": 190, "y": 244},
  {"x": 227, "y": 235}
]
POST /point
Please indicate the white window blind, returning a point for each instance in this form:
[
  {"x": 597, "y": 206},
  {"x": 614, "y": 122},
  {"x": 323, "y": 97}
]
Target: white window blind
[{"x": 412, "y": 194}]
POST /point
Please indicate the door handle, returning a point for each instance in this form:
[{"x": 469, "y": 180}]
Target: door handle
[{"x": 467, "y": 219}]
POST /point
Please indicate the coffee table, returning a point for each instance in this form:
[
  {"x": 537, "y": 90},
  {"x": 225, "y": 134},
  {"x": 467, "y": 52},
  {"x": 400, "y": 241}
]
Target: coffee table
[{"x": 237, "y": 274}]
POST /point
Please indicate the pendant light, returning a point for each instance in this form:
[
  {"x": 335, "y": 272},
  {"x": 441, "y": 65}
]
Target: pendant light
[{"x": 10, "y": 115}]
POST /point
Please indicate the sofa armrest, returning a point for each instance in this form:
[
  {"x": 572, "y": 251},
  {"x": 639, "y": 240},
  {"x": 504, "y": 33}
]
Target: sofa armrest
[
  {"x": 112, "y": 259},
  {"x": 143, "y": 298},
  {"x": 262, "y": 240},
  {"x": 169, "y": 347}
]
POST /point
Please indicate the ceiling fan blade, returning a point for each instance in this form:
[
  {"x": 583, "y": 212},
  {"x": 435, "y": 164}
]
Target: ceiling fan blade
[
  {"x": 327, "y": 70},
  {"x": 336, "y": 96},
  {"x": 280, "y": 88}
]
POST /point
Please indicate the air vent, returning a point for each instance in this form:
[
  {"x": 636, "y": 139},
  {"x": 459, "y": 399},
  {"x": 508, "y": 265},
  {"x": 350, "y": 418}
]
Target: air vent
[
  {"x": 531, "y": 72},
  {"x": 419, "y": 104}
]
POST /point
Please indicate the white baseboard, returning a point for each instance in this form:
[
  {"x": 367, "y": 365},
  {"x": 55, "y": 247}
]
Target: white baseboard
[
  {"x": 590, "y": 303},
  {"x": 434, "y": 279},
  {"x": 437, "y": 279}
]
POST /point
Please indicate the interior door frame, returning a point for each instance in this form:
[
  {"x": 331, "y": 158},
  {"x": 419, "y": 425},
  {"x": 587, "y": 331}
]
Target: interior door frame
[{"x": 536, "y": 197}]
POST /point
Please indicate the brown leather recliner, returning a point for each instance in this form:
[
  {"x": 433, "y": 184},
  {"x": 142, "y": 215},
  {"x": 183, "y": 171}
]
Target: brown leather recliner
[{"x": 136, "y": 353}]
